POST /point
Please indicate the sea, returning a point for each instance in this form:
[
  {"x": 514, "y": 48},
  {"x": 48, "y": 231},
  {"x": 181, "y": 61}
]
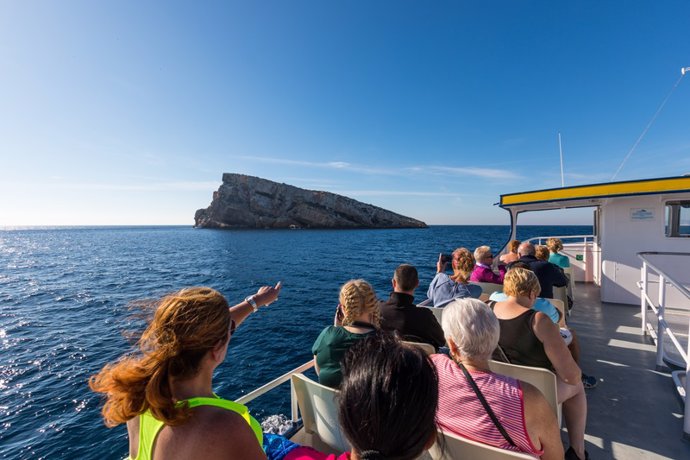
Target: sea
[{"x": 66, "y": 310}]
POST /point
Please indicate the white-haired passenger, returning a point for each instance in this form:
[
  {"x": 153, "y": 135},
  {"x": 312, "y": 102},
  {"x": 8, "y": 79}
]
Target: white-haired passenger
[
  {"x": 483, "y": 271},
  {"x": 524, "y": 420}
]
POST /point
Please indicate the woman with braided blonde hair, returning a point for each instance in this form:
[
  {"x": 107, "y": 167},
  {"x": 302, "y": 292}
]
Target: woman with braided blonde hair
[
  {"x": 164, "y": 392},
  {"x": 357, "y": 317}
]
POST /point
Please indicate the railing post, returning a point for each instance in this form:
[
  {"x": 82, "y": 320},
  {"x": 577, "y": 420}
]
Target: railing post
[
  {"x": 294, "y": 408},
  {"x": 660, "y": 327},
  {"x": 643, "y": 298},
  {"x": 686, "y": 418}
]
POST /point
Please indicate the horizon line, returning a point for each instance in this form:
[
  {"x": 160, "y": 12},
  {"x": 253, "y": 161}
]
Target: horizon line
[{"x": 68, "y": 226}]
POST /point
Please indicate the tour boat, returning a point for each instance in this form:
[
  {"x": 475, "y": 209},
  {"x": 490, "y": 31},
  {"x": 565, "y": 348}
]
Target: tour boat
[{"x": 631, "y": 311}]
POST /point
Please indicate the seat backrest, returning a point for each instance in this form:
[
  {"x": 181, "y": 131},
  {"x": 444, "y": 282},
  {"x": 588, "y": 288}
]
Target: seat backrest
[
  {"x": 450, "y": 447},
  {"x": 561, "y": 293},
  {"x": 543, "y": 379},
  {"x": 489, "y": 288},
  {"x": 425, "y": 347},
  {"x": 438, "y": 313},
  {"x": 560, "y": 306},
  {"x": 425, "y": 303},
  {"x": 319, "y": 411},
  {"x": 571, "y": 278}
]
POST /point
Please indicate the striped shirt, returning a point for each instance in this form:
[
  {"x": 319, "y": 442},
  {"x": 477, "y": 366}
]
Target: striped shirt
[{"x": 461, "y": 412}]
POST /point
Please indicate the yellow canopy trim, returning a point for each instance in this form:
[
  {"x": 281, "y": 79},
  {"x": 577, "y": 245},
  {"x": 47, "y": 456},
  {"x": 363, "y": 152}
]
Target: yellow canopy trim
[{"x": 642, "y": 187}]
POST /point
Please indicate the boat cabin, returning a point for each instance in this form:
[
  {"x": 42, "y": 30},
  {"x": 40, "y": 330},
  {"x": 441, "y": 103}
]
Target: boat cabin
[{"x": 630, "y": 217}]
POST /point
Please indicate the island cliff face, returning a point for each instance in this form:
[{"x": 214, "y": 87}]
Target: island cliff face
[{"x": 251, "y": 202}]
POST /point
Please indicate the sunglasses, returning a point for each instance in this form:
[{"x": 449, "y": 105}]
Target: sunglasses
[{"x": 233, "y": 326}]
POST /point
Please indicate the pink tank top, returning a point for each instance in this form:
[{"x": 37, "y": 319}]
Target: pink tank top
[{"x": 461, "y": 412}]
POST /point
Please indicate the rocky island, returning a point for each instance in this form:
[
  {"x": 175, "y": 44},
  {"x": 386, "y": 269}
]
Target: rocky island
[{"x": 251, "y": 202}]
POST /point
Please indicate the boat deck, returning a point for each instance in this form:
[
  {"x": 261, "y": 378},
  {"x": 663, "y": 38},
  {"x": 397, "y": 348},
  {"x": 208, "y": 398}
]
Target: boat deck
[{"x": 634, "y": 412}]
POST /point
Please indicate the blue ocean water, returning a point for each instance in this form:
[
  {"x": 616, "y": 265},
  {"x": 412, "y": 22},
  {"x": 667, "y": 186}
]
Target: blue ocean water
[{"x": 64, "y": 295}]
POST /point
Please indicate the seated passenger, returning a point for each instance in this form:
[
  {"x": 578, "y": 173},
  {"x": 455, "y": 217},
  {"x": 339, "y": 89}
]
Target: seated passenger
[
  {"x": 548, "y": 274},
  {"x": 400, "y": 314},
  {"x": 546, "y": 307},
  {"x": 542, "y": 253},
  {"x": 530, "y": 338},
  {"x": 555, "y": 245},
  {"x": 387, "y": 402},
  {"x": 542, "y": 305},
  {"x": 444, "y": 288},
  {"x": 483, "y": 273},
  {"x": 529, "y": 422},
  {"x": 165, "y": 392},
  {"x": 512, "y": 254},
  {"x": 357, "y": 316}
]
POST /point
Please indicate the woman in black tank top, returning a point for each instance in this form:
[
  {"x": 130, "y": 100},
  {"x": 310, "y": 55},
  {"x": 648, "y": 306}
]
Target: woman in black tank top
[
  {"x": 519, "y": 343},
  {"x": 530, "y": 338}
]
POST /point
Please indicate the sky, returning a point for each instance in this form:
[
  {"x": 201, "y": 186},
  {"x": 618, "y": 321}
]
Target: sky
[{"x": 128, "y": 112}]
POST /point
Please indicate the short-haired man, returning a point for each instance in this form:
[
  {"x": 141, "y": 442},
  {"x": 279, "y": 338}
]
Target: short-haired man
[
  {"x": 548, "y": 274},
  {"x": 399, "y": 313}
]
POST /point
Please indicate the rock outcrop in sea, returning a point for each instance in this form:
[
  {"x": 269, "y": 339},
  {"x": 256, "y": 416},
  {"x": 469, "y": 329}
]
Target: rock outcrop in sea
[{"x": 251, "y": 202}]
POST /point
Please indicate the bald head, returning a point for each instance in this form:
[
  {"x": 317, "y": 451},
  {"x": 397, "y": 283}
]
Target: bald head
[{"x": 526, "y": 249}]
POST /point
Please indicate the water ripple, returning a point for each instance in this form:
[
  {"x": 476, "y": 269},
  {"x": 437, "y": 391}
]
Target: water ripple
[{"x": 63, "y": 311}]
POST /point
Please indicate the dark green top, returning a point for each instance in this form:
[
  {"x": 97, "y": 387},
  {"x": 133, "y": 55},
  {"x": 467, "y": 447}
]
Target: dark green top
[{"x": 329, "y": 349}]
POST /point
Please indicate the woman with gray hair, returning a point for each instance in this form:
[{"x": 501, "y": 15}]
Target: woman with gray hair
[{"x": 478, "y": 404}]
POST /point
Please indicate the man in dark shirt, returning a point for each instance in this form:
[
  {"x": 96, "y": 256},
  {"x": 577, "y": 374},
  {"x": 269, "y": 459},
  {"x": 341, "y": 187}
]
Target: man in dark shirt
[
  {"x": 399, "y": 313},
  {"x": 549, "y": 274}
]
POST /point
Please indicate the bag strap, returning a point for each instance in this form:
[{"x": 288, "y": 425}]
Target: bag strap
[
  {"x": 504, "y": 357},
  {"x": 479, "y": 394}
]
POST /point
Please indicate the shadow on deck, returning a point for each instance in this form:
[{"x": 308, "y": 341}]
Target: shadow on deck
[{"x": 634, "y": 412}]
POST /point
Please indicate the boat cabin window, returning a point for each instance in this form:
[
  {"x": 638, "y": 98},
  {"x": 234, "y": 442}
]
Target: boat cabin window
[{"x": 678, "y": 218}]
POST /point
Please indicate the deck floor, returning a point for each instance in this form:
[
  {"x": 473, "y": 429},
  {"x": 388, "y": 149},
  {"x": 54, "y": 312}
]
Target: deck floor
[{"x": 634, "y": 412}]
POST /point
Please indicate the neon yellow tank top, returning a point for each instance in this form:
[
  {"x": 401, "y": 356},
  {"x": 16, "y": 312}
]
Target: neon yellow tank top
[{"x": 149, "y": 427}]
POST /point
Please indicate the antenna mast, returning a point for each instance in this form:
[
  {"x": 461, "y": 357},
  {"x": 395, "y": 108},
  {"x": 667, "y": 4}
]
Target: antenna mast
[
  {"x": 560, "y": 149},
  {"x": 683, "y": 71}
]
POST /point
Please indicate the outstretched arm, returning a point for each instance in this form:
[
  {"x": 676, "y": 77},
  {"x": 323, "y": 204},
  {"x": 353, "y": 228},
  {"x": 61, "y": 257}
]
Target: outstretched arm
[{"x": 263, "y": 297}]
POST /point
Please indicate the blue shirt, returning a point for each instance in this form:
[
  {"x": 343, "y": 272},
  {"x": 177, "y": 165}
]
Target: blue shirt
[
  {"x": 540, "y": 304},
  {"x": 443, "y": 289},
  {"x": 560, "y": 260}
]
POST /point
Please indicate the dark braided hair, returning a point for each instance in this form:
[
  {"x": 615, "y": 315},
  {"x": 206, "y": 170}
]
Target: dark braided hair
[{"x": 388, "y": 398}]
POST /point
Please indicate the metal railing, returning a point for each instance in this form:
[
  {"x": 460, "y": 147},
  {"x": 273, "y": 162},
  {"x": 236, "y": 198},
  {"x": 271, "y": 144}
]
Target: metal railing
[
  {"x": 276, "y": 383},
  {"x": 542, "y": 239},
  {"x": 663, "y": 329}
]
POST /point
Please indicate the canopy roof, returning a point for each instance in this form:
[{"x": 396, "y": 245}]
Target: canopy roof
[{"x": 591, "y": 195}]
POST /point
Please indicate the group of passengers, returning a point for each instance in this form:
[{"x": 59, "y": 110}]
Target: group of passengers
[{"x": 393, "y": 397}]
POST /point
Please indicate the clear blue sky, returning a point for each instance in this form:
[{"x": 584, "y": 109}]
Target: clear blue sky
[{"x": 128, "y": 112}]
